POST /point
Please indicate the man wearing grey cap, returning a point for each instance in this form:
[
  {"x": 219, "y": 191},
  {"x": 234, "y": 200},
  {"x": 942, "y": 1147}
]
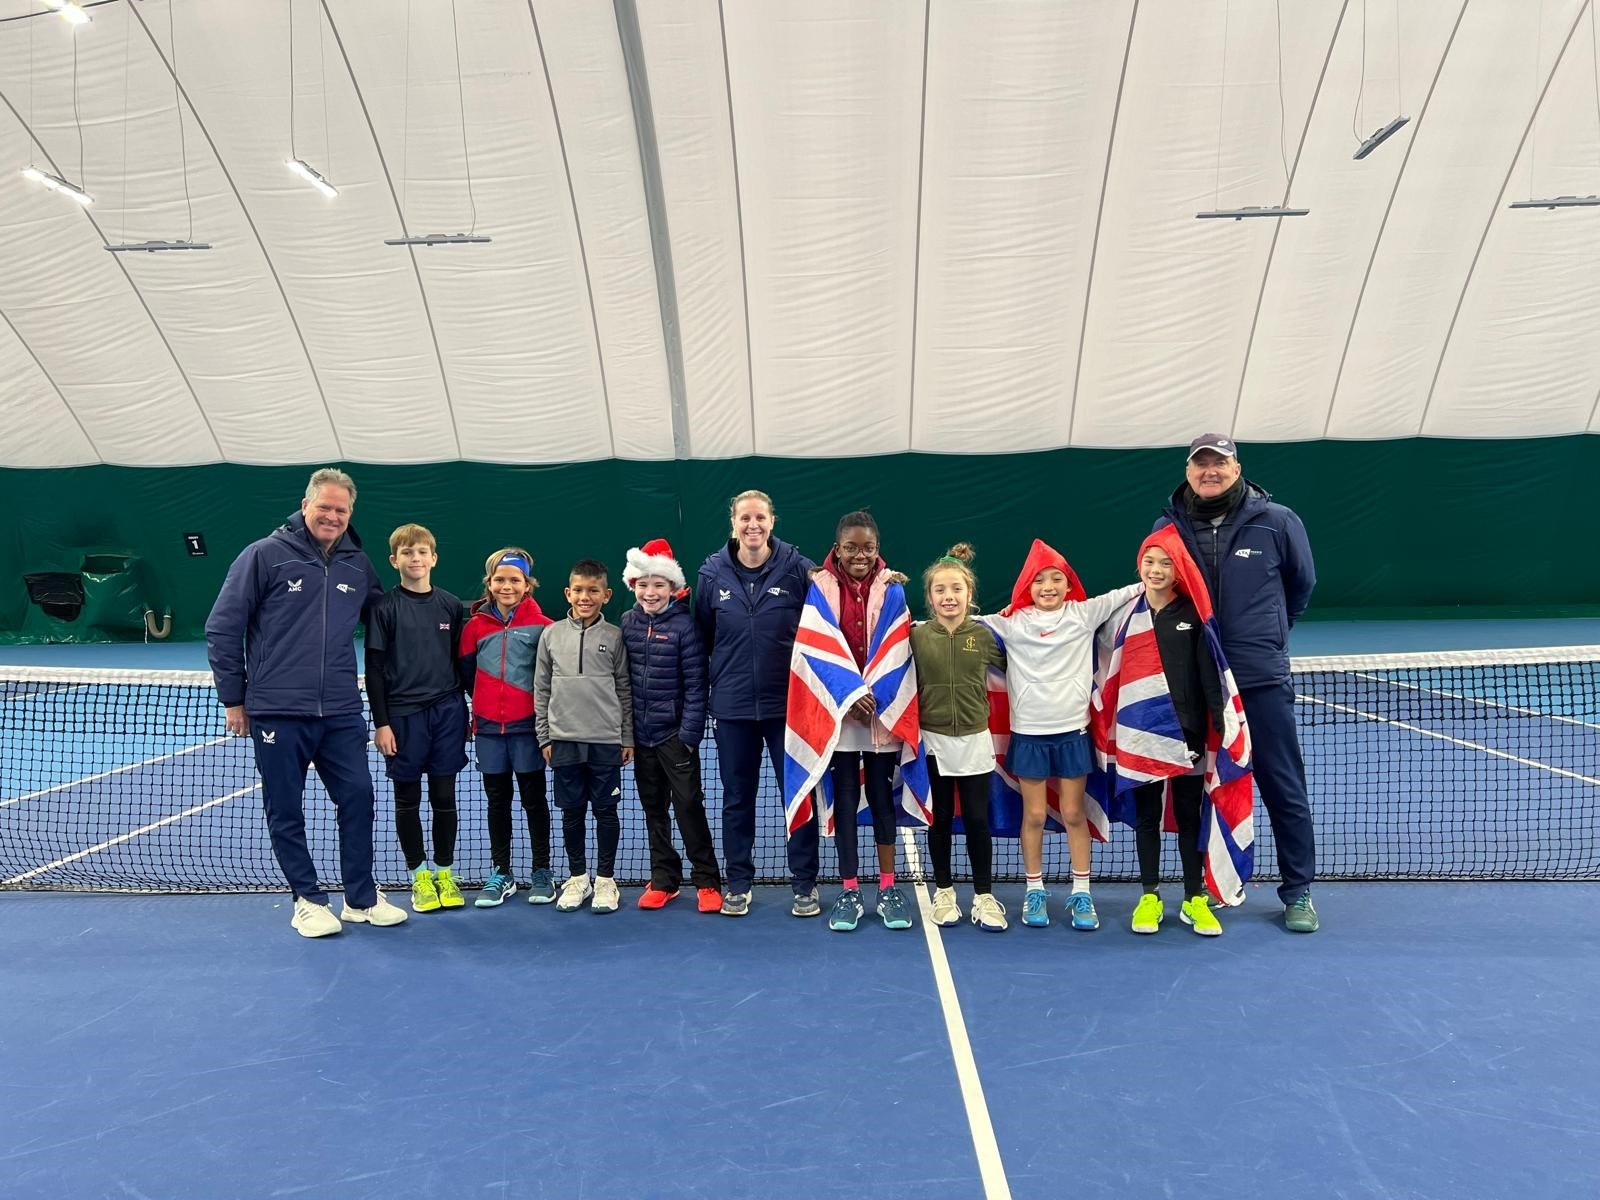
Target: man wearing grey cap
[{"x": 1257, "y": 563}]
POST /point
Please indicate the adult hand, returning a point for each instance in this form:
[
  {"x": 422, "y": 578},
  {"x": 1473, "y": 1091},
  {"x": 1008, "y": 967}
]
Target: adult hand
[
  {"x": 238, "y": 723},
  {"x": 627, "y": 755},
  {"x": 383, "y": 739}
]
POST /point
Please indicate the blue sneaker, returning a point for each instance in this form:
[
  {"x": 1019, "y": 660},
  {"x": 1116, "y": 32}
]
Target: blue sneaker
[
  {"x": 1083, "y": 914},
  {"x": 893, "y": 910},
  {"x": 542, "y": 887},
  {"x": 497, "y": 889},
  {"x": 1034, "y": 911},
  {"x": 847, "y": 910}
]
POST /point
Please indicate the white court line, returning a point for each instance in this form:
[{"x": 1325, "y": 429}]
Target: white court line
[
  {"x": 130, "y": 835},
  {"x": 61, "y": 787},
  {"x": 1455, "y": 741},
  {"x": 1516, "y": 708},
  {"x": 71, "y": 687},
  {"x": 990, "y": 1168}
]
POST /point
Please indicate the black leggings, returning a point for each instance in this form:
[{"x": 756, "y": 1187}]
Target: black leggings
[
  {"x": 607, "y": 834},
  {"x": 849, "y": 767},
  {"x": 408, "y": 820},
  {"x": 531, "y": 787},
  {"x": 1186, "y": 790},
  {"x": 974, "y": 793}
]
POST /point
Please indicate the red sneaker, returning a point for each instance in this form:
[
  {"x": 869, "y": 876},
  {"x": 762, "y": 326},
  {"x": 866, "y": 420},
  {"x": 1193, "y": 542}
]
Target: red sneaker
[
  {"x": 654, "y": 897},
  {"x": 709, "y": 900}
]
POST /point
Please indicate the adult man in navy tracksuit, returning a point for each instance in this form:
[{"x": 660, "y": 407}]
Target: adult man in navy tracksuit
[
  {"x": 1257, "y": 562},
  {"x": 281, "y": 643}
]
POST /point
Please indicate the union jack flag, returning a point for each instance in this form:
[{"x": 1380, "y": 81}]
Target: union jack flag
[
  {"x": 824, "y": 682},
  {"x": 1138, "y": 740}
]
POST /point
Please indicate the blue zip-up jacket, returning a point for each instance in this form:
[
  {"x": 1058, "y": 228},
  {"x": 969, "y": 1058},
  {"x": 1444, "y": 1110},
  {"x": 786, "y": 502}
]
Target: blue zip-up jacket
[
  {"x": 667, "y": 667},
  {"x": 750, "y": 638},
  {"x": 281, "y": 636},
  {"x": 1258, "y": 566}
]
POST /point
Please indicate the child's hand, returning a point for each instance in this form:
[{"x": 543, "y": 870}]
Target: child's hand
[
  {"x": 1006, "y": 611},
  {"x": 864, "y": 708},
  {"x": 383, "y": 739},
  {"x": 627, "y": 755},
  {"x": 546, "y": 752}
]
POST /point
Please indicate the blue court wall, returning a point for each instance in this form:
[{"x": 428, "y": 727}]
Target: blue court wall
[{"x": 1418, "y": 526}]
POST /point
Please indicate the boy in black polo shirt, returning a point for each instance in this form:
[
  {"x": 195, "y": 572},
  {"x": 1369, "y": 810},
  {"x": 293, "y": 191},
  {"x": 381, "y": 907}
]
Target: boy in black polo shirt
[{"x": 419, "y": 710}]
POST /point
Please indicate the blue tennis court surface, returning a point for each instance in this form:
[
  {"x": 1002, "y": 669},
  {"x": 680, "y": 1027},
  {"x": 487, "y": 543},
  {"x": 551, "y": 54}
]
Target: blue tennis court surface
[{"x": 1433, "y": 1041}]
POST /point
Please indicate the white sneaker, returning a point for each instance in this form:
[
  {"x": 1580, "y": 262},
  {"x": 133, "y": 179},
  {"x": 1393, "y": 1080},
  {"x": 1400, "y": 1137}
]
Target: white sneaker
[
  {"x": 314, "y": 920},
  {"x": 945, "y": 909},
  {"x": 606, "y": 897},
  {"x": 574, "y": 892},
  {"x": 988, "y": 913},
  {"x": 381, "y": 913}
]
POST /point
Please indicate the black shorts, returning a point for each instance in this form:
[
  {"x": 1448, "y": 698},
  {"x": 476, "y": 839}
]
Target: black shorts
[{"x": 430, "y": 742}]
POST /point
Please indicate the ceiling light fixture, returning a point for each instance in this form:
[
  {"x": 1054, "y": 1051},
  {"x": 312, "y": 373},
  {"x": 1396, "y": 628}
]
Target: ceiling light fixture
[
  {"x": 312, "y": 176},
  {"x": 157, "y": 245},
  {"x": 437, "y": 239},
  {"x": 70, "y": 13},
  {"x": 295, "y": 163},
  {"x": 1252, "y": 210},
  {"x": 57, "y": 184}
]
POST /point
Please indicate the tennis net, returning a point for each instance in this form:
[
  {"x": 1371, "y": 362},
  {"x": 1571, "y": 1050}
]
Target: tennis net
[{"x": 1462, "y": 765}]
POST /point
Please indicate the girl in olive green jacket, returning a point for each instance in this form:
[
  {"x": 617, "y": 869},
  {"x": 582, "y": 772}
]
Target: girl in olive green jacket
[{"x": 953, "y": 654}]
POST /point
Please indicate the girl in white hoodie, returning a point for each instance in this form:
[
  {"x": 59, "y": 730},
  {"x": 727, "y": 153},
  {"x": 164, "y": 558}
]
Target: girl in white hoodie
[{"x": 1049, "y": 630}]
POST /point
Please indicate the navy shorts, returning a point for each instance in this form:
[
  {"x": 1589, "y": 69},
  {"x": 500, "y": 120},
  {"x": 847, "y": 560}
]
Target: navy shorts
[
  {"x": 504, "y": 753},
  {"x": 1049, "y": 755},
  {"x": 586, "y": 774},
  {"x": 430, "y": 742}
]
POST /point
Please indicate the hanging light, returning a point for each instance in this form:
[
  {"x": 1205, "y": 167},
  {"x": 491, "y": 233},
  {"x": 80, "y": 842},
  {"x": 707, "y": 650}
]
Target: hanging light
[
  {"x": 57, "y": 184},
  {"x": 1252, "y": 210},
  {"x": 1380, "y": 137},
  {"x": 70, "y": 13},
  {"x": 154, "y": 246},
  {"x": 312, "y": 176}
]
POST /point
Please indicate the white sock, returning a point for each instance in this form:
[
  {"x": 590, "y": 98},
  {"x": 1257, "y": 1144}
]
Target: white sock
[
  {"x": 1080, "y": 882},
  {"x": 1035, "y": 883}
]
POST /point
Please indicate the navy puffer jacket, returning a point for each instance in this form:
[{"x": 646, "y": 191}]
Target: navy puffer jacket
[
  {"x": 748, "y": 627},
  {"x": 1258, "y": 566},
  {"x": 667, "y": 667}
]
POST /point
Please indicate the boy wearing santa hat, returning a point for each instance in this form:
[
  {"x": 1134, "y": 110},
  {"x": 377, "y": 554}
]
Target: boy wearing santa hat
[{"x": 667, "y": 662}]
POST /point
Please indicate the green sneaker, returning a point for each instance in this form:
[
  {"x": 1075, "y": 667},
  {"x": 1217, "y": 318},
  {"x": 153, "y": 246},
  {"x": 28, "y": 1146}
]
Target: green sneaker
[
  {"x": 1196, "y": 913},
  {"x": 1149, "y": 913},
  {"x": 449, "y": 890},
  {"x": 1299, "y": 916},
  {"x": 424, "y": 892}
]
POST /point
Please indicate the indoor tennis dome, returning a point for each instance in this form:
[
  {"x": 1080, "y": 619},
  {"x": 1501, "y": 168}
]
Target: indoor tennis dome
[{"x": 939, "y": 258}]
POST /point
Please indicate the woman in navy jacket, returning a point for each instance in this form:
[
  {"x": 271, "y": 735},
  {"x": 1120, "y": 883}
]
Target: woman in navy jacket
[{"x": 747, "y": 603}]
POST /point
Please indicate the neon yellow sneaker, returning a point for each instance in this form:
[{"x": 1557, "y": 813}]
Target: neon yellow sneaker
[
  {"x": 449, "y": 890},
  {"x": 1198, "y": 916},
  {"x": 424, "y": 892},
  {"x": 1149, "y": 913}
]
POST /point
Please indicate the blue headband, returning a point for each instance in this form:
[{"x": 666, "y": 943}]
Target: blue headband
[{"x": 516, "y": 560}]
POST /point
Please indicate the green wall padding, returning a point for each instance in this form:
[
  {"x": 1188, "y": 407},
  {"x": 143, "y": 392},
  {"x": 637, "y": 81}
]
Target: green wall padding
[{"x": 1416, "y": 524}]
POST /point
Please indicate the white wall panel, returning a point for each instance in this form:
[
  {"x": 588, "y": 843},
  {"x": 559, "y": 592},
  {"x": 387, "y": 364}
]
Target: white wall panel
[
  {"x": 1020, "y": 104},
  {"x": 590, "y": 83},
  {"x": 688, "y": 92},
  {"x": 826, "y": 110}
]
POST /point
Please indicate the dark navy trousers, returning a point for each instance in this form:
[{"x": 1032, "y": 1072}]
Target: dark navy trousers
[
  {"x": 285, "y": 747},
  {"x": 739, "y": 761},
  {"x": 1280, "y": 773}
]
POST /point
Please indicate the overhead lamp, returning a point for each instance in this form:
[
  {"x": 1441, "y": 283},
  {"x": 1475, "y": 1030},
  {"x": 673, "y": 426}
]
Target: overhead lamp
[
  {"x": 1252, "y": 210},
  {"x": 1380, "y": 137},
  {"x": 153, "y": 247},
  {"x": 312, "y": 176},
  {"x": 437, "y": 239},
  {"x": 57, "y": 184},
  {"x": 70, "y": 13},
  {"x": 1558, "y": 202}
]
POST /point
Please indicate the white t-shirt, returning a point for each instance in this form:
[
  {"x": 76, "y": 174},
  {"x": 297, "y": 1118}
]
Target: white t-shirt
[
  {"x": 967, "y": 754},
  {"x": 1050, "y": 660}
]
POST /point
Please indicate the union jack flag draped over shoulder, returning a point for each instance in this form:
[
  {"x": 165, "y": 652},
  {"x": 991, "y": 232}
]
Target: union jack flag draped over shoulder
[
  {"x": 1137, "y": 738},
  {"x": 824, "y": 682}
]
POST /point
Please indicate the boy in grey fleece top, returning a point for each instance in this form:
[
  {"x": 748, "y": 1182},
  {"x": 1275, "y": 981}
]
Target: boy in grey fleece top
[{"x": 583, "y": 716}]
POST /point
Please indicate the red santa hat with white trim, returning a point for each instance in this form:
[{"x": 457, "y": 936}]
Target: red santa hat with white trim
[{"x": 653, "y": 558}]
